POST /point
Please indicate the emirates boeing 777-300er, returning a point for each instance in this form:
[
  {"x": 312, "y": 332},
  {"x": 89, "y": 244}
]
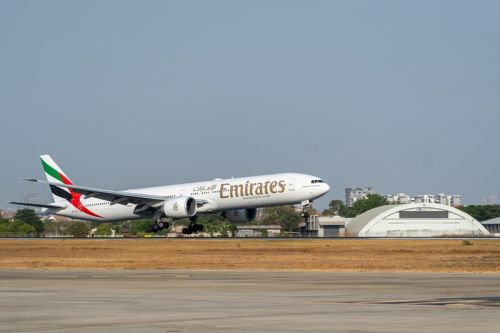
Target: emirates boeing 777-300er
[{"x": 236, "y": 198}]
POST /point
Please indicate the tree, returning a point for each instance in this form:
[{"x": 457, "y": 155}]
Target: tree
[
  {"x": 139, "y": 227},
  {"x": 4, "y": 226},
  {"x": 215, "y": 223},
  {"x": 371, "y": 201},
  {"x": 50, "y": 227},
  {"x": 78, "y": 229},
  {"x": 16, "y": 228},
  {"x": 337, "y": 207},
  {"x": 22, "y": 228},
  {"x": 28, "y": 216},
  {"x": 122, "y": 227},
  {"x": 482, "y": 212},
  {"x": 103, "y": 230},
  {"x": 285, "y": 216}
]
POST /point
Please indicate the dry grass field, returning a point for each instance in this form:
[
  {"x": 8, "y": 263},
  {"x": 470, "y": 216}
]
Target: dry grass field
[{"x": 328, "y": 255}]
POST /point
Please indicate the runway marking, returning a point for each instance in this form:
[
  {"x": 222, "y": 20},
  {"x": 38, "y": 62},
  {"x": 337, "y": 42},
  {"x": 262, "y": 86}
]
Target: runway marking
[
  {"x": 461, "y": 301},
  {"x": 60, "y": 276},
  {"x": 455, "y": 302},
  {"x": 144, "y": 276}
]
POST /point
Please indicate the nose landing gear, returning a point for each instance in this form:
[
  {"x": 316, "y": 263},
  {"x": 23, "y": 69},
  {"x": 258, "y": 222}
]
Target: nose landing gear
[{"x": 306, "y": 209}]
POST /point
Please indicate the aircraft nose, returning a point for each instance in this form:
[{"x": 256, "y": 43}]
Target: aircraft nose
[{"x": 326, "y": 187}]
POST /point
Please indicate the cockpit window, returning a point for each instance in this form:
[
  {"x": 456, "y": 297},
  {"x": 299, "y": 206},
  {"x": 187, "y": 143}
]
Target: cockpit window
[{"x": 314, "y": 181}]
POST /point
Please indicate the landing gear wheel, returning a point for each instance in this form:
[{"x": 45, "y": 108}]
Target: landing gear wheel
[
  {"x": 193, "y": 227},
  {"x": 163, "y": 225},
  {"x": 158, "y": 226}
]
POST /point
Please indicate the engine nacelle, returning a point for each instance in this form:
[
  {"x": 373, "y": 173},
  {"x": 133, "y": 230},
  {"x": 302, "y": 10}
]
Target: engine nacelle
[
  {"x": 241, "y": 215},
  {"x": 180, "y": 207}
]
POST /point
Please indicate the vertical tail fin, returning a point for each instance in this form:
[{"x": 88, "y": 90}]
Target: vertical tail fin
[{"x": 54, "y": 174}]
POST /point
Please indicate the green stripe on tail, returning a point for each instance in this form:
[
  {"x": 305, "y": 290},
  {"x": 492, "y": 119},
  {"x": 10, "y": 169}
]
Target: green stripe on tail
[{"x": 51, "y": 171}]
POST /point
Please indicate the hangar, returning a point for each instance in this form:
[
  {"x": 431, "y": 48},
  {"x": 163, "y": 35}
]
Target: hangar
[
  {"x": 415, "y": 220},
  {"x": 493, "y": 226}
]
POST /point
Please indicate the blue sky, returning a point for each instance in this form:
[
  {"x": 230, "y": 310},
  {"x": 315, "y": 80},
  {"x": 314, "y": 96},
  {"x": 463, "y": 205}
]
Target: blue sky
[{"x": 404, "y": 96}]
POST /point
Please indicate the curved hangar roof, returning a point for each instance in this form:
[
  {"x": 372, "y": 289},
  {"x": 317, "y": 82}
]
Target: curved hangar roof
[{"x": 415, "y": 220}]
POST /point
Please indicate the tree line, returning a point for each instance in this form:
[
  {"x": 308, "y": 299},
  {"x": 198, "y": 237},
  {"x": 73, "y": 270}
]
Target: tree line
[
  {"x": 26, "y": 222},
  {"x": 482, "y": 212},
  {"x": 337, "y": 207}
]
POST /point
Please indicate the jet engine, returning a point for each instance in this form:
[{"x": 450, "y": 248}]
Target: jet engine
[
  {"x": 179, "y": 207},
  {"x": 241, "y": 215}
]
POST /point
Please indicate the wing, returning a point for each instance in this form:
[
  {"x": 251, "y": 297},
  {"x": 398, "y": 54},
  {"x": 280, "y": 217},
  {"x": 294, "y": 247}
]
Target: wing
[
  {"x": 53, "y": 206},
  {"x": 115, "y": 197}
]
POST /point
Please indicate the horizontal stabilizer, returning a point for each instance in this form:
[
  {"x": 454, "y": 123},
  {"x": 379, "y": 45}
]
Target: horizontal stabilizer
[
  {"x": 52, "y": 206},
  {"x": 29, "y": 179}
]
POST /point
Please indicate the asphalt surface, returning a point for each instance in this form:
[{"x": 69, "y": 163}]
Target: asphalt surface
[{"x": 229, "y": 301}]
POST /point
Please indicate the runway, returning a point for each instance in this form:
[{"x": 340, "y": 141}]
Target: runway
[{"x": 246, "y": 301}]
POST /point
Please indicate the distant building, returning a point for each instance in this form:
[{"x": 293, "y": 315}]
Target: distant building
[
  {"x": 489, "y": 200},
  {"x": 399, "y": 198},
  {"x": 323, "y": 226},
  {"x": 252, "y": 230},
  {"x": 9, "y": 214},
  {"x": 356, "y": 193},
  {"x": 456, "y": 200},
  {"x": 113, "y": 234},
  {"x": 441, "y": 198},
  {"x": 56, "y": 218}
]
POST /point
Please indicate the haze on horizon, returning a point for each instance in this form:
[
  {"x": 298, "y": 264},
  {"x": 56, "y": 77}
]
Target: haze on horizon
[{"x": 403, "y": 96}]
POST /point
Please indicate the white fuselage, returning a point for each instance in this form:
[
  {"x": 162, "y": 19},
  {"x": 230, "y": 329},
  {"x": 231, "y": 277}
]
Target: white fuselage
[{"x": 213, "y": 196}]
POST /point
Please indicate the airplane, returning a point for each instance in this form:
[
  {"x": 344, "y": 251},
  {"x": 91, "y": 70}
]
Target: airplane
[{"x": 236, "y": 198}]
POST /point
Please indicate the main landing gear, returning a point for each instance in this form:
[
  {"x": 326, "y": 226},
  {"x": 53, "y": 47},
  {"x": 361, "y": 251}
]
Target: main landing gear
[
  {"x": 193, "y": 227},
  {"x": 158, "y": 226}
]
